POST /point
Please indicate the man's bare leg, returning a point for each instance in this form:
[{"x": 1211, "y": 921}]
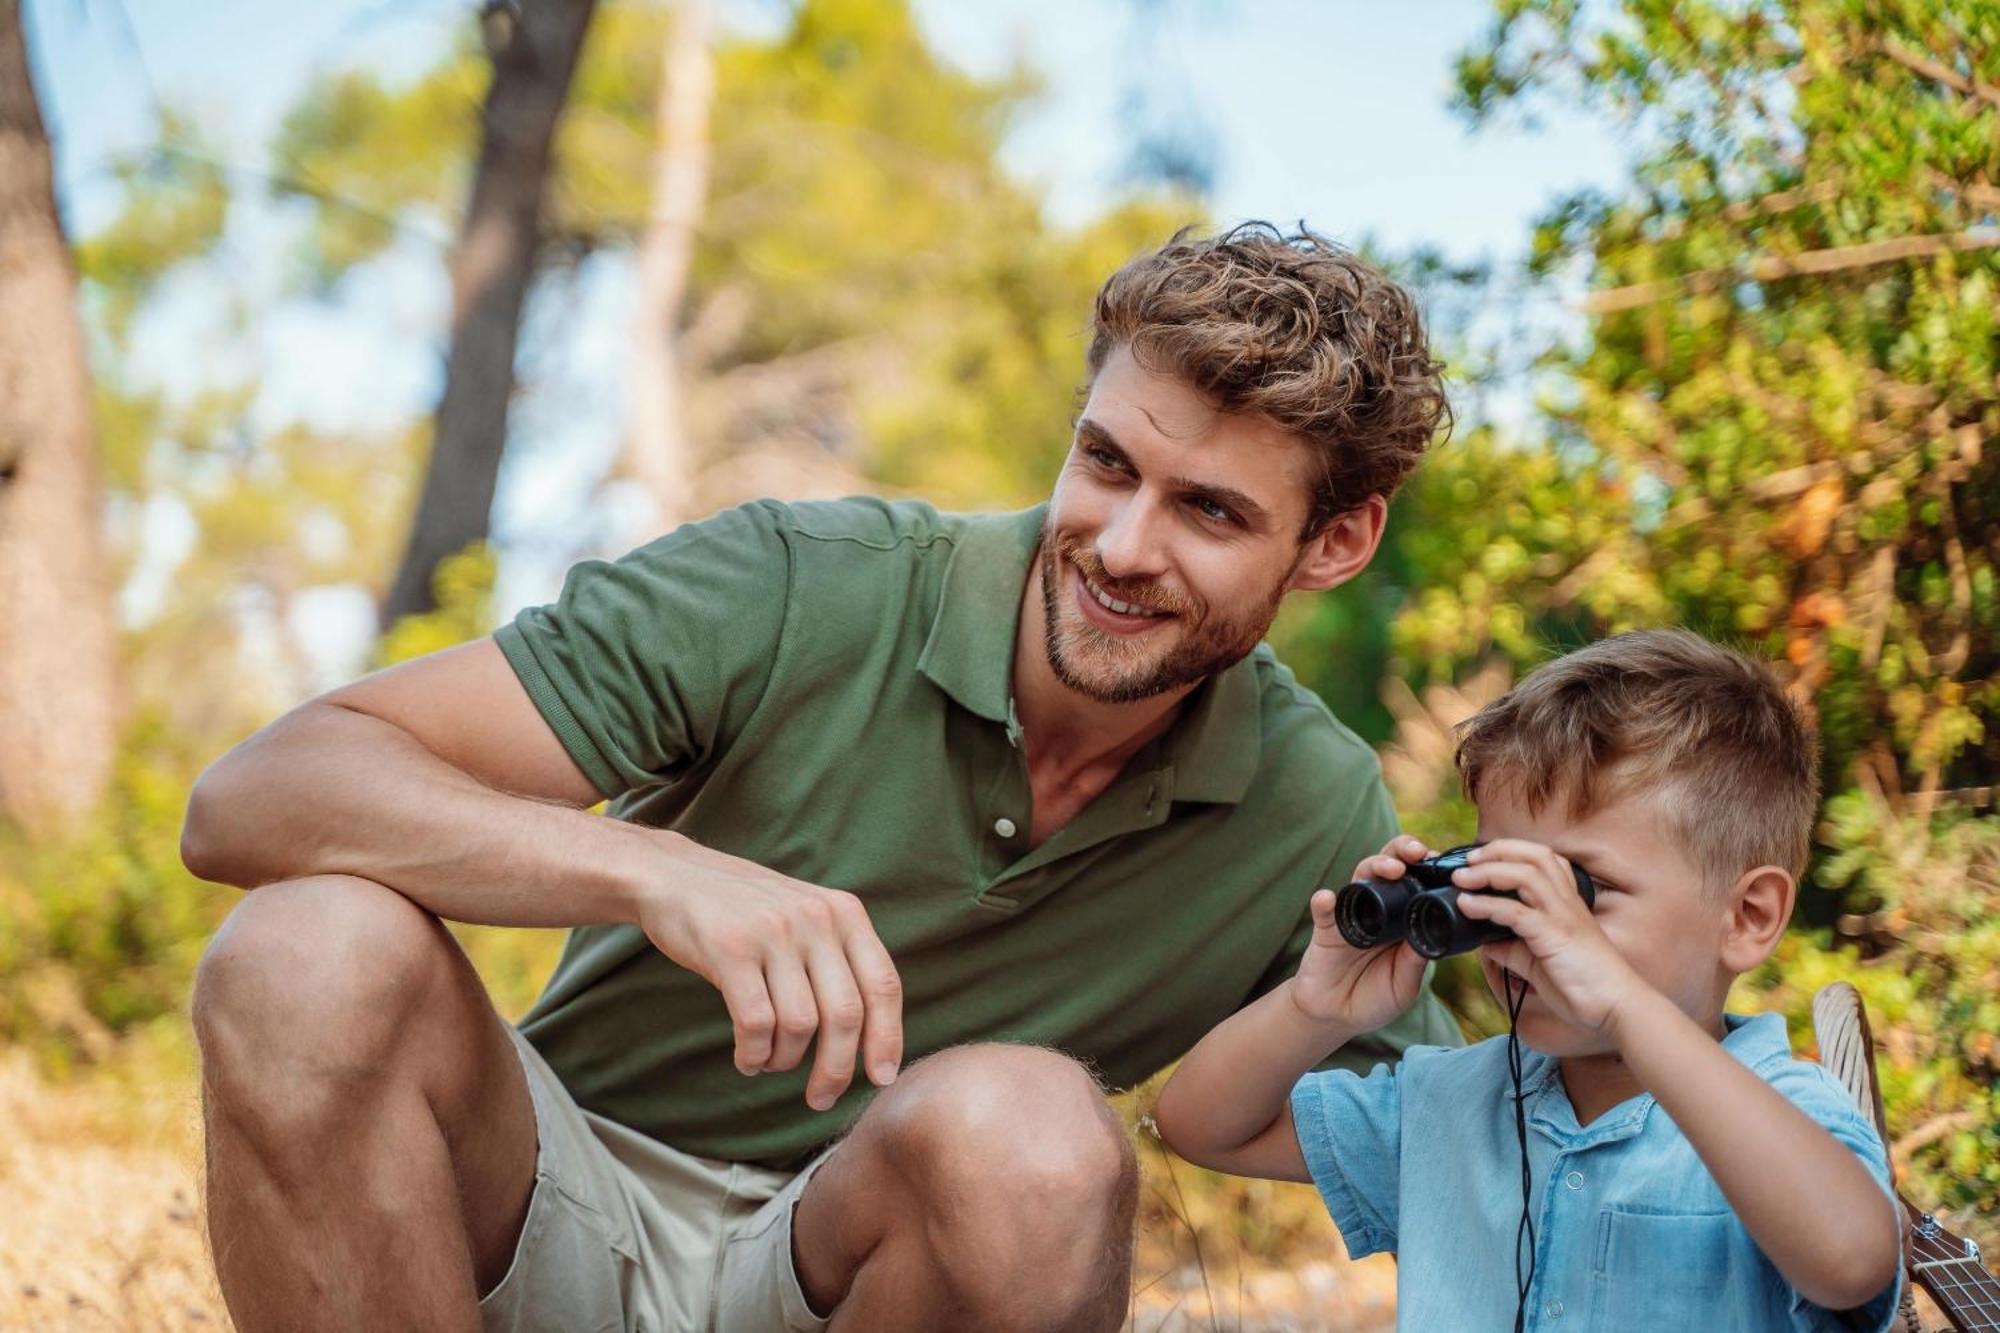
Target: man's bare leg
[
  {"x": 990, "y": 1187},
  {"x": 371, "y": 1141}
]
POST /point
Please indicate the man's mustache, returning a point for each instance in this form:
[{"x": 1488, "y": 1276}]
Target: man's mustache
[{"x": 1146, "y": 593}]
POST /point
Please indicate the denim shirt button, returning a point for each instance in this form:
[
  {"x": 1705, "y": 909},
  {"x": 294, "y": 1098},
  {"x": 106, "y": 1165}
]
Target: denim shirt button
[
  {"x": 1574, "y": 1180},
  {"x": 1554, "y": 1309}
]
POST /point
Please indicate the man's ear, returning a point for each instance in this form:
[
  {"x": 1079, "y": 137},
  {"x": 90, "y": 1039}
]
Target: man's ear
[
  {"x": 1759, "y": 906},
  {"x": 1343, "y": 548}
]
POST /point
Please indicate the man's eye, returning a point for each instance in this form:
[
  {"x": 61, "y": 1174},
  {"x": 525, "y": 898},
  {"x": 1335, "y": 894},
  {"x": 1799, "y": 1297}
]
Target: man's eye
[
  {"x": 1102, "y": 457},
  {"x": 1210, "y": 509}
]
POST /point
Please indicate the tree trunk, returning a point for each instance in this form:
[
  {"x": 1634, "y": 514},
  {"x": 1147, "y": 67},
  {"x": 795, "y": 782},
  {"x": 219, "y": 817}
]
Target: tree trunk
[
  {"x": 658, "y": 454},
  {"x": 58, "y": 688},
  {"x": 534, "y": 49}
]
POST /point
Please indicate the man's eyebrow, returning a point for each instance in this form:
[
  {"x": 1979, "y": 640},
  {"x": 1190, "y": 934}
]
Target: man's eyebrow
[
  {"x": 1251, "y": 512},
  {"x": 1099, "y": 436}
]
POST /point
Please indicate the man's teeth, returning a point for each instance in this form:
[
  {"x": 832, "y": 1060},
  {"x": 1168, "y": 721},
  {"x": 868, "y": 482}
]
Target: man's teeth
[{"x": 1112, "y": 603}]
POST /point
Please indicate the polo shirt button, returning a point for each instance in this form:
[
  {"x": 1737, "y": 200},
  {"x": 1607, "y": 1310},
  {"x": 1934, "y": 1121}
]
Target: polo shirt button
[
  {"x": 1574, "y": 1180},
  {"x": 1554, "y": 1309},
  {"x": 1005, "y": 827}
]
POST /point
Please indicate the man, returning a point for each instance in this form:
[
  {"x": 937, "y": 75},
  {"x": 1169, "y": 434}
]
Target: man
[{"x": 1020, "y": 794}]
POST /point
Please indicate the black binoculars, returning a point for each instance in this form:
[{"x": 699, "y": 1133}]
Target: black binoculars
[{"x": 1422, "y": 907}]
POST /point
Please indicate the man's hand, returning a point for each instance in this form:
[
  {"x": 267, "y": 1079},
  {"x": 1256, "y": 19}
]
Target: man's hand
[
  {"x": 1362, "y": 989},
  {"x": 1561, "y": 950},
  {"x": 791, "y": 959}
]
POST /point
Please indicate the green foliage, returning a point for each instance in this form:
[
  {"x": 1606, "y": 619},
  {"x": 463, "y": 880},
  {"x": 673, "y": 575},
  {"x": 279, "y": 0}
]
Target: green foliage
[
  {"x": 1927, "y": 961},
  {"x": 100, "y": 931},
  {"x": 373, "y": 160},
  {"x": 1790, "y": 384},
  {"x": 177, "y": 203},
  {"x": 464, "y": 588}
]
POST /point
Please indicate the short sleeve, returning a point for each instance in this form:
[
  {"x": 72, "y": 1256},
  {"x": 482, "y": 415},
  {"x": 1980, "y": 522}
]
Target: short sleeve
[
  {"x": 1830, "y": 1107},
  {"x": 1350, "y": 1134},
  {"x": 1425, "y": 1023},
  {"x": 647, "y": 665}
]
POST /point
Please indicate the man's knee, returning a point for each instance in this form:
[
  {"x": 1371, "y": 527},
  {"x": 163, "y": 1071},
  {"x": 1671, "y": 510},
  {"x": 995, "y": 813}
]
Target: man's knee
[
  {"x": 310, "y": 984},
  {"x": 1023, "y": 1169}
]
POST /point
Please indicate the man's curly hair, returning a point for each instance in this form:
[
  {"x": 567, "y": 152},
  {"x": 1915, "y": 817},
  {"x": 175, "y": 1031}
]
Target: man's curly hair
[{"x": 1293, "y": 328}]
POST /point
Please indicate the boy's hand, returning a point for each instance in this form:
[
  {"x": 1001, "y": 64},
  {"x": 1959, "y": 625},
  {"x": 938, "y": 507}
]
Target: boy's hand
[
  {"x": 1363, "y": 989},
  {"x": 1561, "y": 950}
]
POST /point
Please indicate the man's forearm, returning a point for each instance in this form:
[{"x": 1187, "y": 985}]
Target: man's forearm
[{"x": 329, "y": 790}]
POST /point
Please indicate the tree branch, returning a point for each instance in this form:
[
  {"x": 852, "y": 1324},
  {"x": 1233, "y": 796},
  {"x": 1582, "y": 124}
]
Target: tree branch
[
  {"x": 1944, "y": 74},
  {"x": 1770, "y": 268}
]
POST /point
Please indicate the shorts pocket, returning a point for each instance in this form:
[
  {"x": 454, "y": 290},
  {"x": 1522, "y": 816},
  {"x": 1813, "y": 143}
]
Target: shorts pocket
[{"x": 565, "y": 1273}]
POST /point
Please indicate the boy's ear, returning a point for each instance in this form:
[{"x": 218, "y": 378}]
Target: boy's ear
[
  {"x": 1758, "y": 908},
  {"x": 1343, "y": 548}
]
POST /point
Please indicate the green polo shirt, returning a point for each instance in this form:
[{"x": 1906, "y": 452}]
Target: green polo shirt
[{"x": 824, "y": 689}]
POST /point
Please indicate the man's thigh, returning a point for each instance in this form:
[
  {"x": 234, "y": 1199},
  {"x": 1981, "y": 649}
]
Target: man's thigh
[{"x": 624, "y": 1232}]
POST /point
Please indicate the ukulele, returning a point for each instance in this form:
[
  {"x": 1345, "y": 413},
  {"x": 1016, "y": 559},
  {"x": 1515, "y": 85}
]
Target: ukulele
[{"x": 1947, "y": 1266}]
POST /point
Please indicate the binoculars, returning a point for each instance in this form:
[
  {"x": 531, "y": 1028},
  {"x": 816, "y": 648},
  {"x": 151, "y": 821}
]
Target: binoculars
[{"x": 1422, "y": 907}]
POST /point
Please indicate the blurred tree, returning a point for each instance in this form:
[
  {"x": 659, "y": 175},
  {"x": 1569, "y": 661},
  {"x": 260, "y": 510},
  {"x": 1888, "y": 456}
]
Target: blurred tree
[
  {"x": 658, "y": 455},
  {"x": 533, "y": 49},
  {"x": 58, "y": 701},
  {"x": 870, "y": 301}
]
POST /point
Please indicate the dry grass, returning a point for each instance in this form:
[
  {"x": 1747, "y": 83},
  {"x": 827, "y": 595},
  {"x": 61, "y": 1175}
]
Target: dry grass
[{"x": 100, "y": 1217}]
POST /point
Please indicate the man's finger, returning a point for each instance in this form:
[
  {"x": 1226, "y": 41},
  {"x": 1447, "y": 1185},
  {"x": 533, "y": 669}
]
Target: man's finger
[
  {"x": 874, "y": 972},
  {"x": 798, "y": 1014},
  {"x": 840, "y": 1015},
  {"x": 750, "y": 1013}
]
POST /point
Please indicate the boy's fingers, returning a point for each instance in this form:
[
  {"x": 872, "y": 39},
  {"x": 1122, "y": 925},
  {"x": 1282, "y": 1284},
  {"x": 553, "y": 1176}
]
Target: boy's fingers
[
  {"x": 1491, "y": 907},
  {"x": 1409, "y": 848},
  {"x": 1530, "y": 881}
]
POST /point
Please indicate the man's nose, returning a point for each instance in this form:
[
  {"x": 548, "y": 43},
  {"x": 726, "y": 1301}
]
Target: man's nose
[{"x": 1129, "y": 546}]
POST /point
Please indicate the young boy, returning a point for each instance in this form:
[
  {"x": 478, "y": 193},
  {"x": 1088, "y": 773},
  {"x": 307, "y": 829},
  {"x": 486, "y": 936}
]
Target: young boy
[{"x": 1683, "y": 1170}]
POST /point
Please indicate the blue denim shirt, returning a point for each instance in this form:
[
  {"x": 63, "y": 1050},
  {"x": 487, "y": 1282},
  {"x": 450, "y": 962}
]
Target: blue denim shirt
[{"x": 1631, "y": 1230}]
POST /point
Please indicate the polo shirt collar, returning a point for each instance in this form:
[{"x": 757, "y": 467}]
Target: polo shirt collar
[
  {"x": 970, "y": 652},
  {"x": 1214, "y": 746}
]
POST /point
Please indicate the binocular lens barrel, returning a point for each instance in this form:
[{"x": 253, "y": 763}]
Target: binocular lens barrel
[
  {"x": 1438, "y": 929},
  {"x": 1422, "y": 907},
  {"x": 1373, "y": 911}
]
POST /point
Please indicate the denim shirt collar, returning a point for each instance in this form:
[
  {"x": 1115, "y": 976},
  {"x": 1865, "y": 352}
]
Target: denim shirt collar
[{"x": 1755, "y": 1040}]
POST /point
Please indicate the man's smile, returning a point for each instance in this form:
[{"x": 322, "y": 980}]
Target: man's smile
[{"x": 1110, "y": 614}]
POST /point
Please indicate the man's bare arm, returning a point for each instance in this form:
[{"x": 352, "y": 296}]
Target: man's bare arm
[{"x": 440, "y": 779}]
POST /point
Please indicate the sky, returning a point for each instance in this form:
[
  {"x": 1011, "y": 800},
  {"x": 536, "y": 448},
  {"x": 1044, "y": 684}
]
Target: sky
[
  {"x": 1335, "y": 112},
  {"x": 1331, "y": 110}
]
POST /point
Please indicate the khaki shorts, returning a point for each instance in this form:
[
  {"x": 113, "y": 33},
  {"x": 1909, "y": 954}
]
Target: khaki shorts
[{"x": 624, "y": 1233}]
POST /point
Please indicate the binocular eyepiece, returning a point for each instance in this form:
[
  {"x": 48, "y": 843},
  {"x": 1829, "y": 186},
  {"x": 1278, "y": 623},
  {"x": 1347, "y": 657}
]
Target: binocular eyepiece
[{"x": 1422, "y": 907}]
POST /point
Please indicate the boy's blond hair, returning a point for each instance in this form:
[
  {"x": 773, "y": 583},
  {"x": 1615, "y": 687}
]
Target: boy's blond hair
[{"x": 1704, "y": 732}]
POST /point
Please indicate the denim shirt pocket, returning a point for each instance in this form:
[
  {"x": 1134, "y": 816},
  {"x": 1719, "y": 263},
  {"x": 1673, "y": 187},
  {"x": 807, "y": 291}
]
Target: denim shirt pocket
[{"x": 1662, "y": 1270}]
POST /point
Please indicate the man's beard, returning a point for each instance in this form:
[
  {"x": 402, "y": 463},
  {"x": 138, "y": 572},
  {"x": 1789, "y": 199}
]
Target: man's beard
[{"x": 1127, "y": 672}]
